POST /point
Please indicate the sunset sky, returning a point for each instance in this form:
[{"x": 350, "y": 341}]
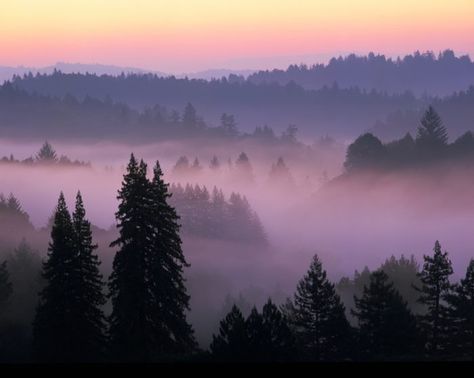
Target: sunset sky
[{"x": 183, "y": 36}]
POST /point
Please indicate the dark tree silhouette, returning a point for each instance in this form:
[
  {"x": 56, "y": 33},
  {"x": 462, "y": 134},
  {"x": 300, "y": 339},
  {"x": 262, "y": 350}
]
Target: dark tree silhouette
[
  {"x": 276, "y": 339},
  {"x": 69, "y": 324},
  {"x": 367, "y": 151},
  {"x": 431, "y": 138},
  {"x": 132, "y": 333},
  {"x": 47, "y": 154},
  {"x": 91, "y": 322},
  {"x": 146, "y": 286},
  {"x": 231, "y": 344},
  {"x": 173, "y": 333},
  {"x": 54, "y": 328},
  {"x": 318, "y": 317},
  {"x": 461, "y": 312},
  {"x": 387, "y": 328},
  {"x": 434, "y": 286}
]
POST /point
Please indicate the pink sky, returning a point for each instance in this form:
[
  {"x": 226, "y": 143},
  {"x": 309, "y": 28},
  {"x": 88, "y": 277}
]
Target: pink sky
[{"x": 185, "y": 36}]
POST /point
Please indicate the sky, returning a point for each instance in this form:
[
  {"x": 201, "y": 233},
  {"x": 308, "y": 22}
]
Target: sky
[{"x": 192, "y": 35}]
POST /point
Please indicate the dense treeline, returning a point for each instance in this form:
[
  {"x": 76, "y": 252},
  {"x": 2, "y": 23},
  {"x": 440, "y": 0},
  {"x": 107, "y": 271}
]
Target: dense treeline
[
  {"x": 149, "y": 300},
  {"x": 420, "y": 73},
  {"x": 331, "y": 109},
  {"x": 212, "y": 215},
  {"x": 67, "y": 117},
  {"x": 454, "y": 109},
  {"x": 45, "y": 156},
  {"x": 430, "y": 146},
  {"x": 101, "y": 105},
  {"x": 314, "y": 325}
]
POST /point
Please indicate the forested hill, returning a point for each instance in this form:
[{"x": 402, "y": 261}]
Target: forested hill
[
  {"x": 59, "y": 105},
  {"x": 330, "y": 110},
  {"x": 418, "y": 73}
]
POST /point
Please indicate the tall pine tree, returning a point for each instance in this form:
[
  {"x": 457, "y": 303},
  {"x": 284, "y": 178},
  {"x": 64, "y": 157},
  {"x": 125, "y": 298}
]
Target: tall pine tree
[
  {"x": 434, "y": 287},
  {"x": 69, "y": 324},
  {"x": 166, "y": 259},
  {"x": 131, "y": 326},
  {"x": 147, "y": 289},
  {"x": 91, "y": 322},
  {"x": 318, "y": 317},
  {"x": 461, "y": 311},
  {"x": 432, "y": 138},
  {"x": 54, "y": 327},
  {"x": 387, "y": 328},
  {"x": 231, "y": 344}
]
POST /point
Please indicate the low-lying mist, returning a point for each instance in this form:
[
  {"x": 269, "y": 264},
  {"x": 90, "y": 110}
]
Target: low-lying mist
[{"x": 351, "y": 221}]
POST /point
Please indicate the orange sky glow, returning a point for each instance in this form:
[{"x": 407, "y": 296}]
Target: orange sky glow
[{"x": 179, "y": 36}]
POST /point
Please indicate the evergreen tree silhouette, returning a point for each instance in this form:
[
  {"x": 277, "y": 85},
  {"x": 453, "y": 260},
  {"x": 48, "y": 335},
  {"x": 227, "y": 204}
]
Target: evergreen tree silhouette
[
  {"x": 47, "y": 154},
  {"x": 434, "y": 287},
  {"x": 69, "y": 324},
  {"x": 231, "y": 344},
  {"x": 387, "y": 328},
  {"x": 461, "y": 311},
  {"x": 167, "y": 284},
  {"x": 146, "y": 285},
  {"x": 54, "y": 327},
  {"x": 91, "y": 322},
  {"x": 132, "y": 336},
  {"x": 431, "y": 138},
  {"x": 318, "y": 316},
  {"x": 278, "y": 341}
]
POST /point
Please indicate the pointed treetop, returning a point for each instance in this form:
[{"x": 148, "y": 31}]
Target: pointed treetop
[
  {"x": 432, "y": 129},
  {"x": 46, "y": 153}
]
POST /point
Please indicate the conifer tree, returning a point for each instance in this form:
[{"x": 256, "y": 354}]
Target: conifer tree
[
  {"x": 318, "y": 317},
  {"x": 69, "y": 324},
  {"x": 91, "y": 322},
  {"x": 432, "y": 129},
  {"x": 47, "y": 154},
  {"x": 166, "y": 259},
  {"x": 54, "y": 327},
  {"x": 231, "y": 344},
  {"x": 434, "y": 287},
  {"x": 131, "y": 326},
  {"x": 461, "y": 311},
  {"x": 277, "y": 339},
  {"x": 387, "y": 328},
  {"x": 255, "y": 335},
  {"x": 149, "y": 299}
]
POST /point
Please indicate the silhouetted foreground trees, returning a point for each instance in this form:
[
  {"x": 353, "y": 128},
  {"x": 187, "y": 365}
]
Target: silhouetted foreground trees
[
  {"x": 149, "y": 299},
  {"x": 385, "y": 326},
  {"x": 399, "y": 311},
  {"x": 429, "y": 147},
  {"x": 70, "y": 325}
]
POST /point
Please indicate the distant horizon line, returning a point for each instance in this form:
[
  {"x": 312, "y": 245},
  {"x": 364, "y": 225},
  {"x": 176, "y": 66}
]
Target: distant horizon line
[{"x": 228, "y": 70}]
